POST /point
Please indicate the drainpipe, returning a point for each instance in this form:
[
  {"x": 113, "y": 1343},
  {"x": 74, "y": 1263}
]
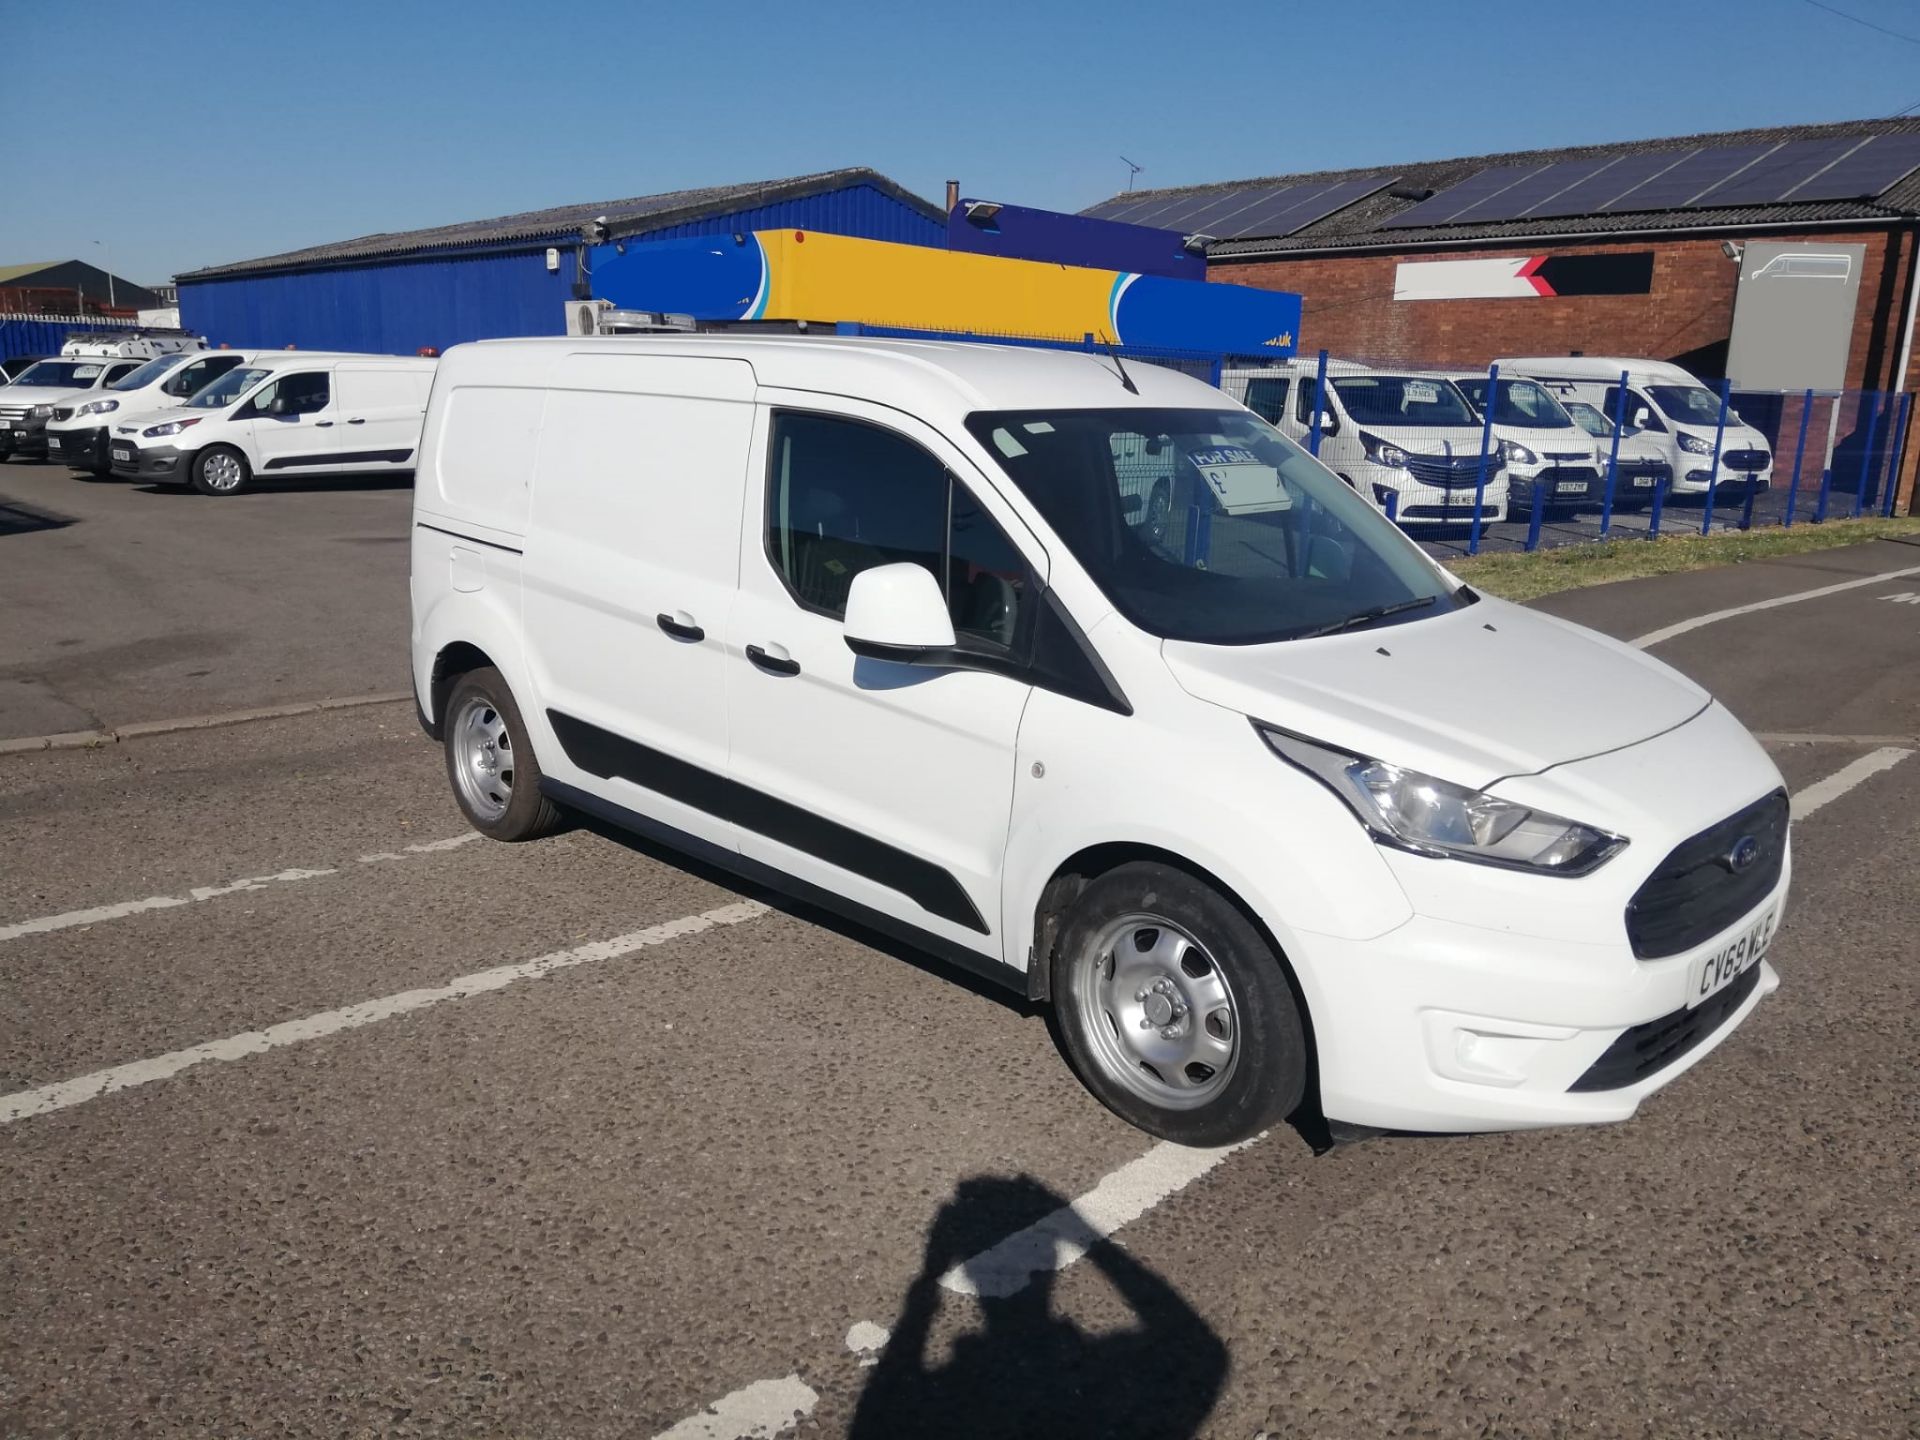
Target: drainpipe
[{"x": 1906, "y": 352}]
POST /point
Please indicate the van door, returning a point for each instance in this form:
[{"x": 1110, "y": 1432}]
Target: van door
[
  {"x": 887, "y": 784},
  {"x": 628, "y": 578},
  {"x": 294, "y": 424},
  {"x": 381, "y": 412}
]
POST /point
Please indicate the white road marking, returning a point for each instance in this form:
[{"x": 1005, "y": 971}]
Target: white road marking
[
  {"x": 1825, "y": 792},
  {"x": 763, "y": 1408},
  {"x": 1063, "y": 1237},
  {"x": 101, "y": 913},
  {"x": 1814, "y": 737},
  {"x": 1904, "y": 597},
  {"x": 1681, "y": 627},
  {"x": 78, "y": 1091}
]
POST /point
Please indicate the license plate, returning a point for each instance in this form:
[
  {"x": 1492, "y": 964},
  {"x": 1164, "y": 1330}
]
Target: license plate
[
  {"x": 123, "y": 452},
  {"x": 1732, "y": 960},
  {"x": 1570, "y": 487},
  {"x": 1643, "y": 482},
  {"x": 53, "y": 442}
]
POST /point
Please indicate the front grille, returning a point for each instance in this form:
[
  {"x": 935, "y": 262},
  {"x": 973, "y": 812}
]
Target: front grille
[
  {"x": 14, "y": 412},
  {"x": 1695, "y": 893},
  {"x": 63, "y": 412},
  {"x": 1566, "y": 455},
  {"x": 1449, "y": 471},
  {"x": 1745, "y": 459},
  {"x": 1659, "y": 470},
  {"x": 1648, "y": 1049}
]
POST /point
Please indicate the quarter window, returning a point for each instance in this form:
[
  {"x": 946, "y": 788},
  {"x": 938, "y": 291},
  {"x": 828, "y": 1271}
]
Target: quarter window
[{"x": 844, "y": 496}]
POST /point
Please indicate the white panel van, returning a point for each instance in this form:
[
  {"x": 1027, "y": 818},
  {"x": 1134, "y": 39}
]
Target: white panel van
[
  {"x": 1271, "y": 808},
  {"x": 306, "y": 414},
  {"x": 1670, "y": 408},
  {"x": 1385, "y": 432}
]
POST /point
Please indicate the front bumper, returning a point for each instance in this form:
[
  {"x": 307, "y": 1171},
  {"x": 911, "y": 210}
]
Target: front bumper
[
  {"x": 1418, "y": 503},
  {"x": 82, "y": 449},
  {"x": 1553, "y": 483},
  {"x": 160, "y": 463},
  {"x": 1441, "y": 1026},
  {"x": 28, "y": 437}
]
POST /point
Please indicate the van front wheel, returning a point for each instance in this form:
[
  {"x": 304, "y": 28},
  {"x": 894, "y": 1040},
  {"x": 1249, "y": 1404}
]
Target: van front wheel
[
  {"x": 221, "y": 470},
  {"x": 1175, "y": 1011},
  {"x": 490, "y": 761}
]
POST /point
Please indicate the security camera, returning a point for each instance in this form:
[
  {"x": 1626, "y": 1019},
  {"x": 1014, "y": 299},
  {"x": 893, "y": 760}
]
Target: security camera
[
  {"x": 1731, "y": 250},
  {"x": 594, "y": 232}
]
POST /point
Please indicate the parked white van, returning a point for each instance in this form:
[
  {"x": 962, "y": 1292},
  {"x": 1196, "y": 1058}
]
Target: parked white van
[
  {"x": 1674, "y": 410},
  {"x": 28, "y": 403},
  {"x": 77, "y": 429},
  {"x": 1549, "y": 458},
  {"x": 307, "y": 414},
  {"x": 1640, "y": 465},
  {"x": 1384, "y": 432},
  {"x": 1271, "y": 807}
]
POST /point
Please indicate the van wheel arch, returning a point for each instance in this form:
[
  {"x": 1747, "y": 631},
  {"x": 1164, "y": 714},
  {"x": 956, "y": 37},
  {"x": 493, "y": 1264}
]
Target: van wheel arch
[
  {"x": 1078, "y": 871},
  {"x": 453, "y": 661}
]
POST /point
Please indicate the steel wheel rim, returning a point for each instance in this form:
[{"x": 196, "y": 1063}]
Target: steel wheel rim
[
  {"x": 483, "y": 758},
  {"x": 1158, "y": 1012},
  {"x": 222, "y": 471}
]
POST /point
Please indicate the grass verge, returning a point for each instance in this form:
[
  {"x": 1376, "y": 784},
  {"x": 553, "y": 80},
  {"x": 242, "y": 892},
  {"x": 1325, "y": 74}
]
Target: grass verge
[{"x": 1520, "y": 576}]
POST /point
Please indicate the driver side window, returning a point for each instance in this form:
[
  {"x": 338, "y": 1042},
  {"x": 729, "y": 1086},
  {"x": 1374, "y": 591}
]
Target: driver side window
[{"x": 844, "y": 496}]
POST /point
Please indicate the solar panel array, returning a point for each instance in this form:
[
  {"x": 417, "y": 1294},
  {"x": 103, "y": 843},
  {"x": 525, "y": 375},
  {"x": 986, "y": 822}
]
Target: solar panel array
[
  {"x": 1234, "y": 212},
  {"x": 1851, "y": 167}
]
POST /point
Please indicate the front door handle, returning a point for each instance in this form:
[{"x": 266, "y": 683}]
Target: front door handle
[
  {"x": 772, "y": 664},
  {"x": 321, "y": 424},
  {"x": 679, "y": 629}
]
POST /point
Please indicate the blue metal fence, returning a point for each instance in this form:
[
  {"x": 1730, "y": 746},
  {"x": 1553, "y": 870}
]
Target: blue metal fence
[{"x": 45, "y": 334}]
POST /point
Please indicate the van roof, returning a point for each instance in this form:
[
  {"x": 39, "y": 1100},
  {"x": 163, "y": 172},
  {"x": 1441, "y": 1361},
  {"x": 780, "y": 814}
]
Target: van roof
[
  {"x": 1600, "y": 367},
  {"x": 907, "y": 374},
  {"x": 288, "y": 359}
]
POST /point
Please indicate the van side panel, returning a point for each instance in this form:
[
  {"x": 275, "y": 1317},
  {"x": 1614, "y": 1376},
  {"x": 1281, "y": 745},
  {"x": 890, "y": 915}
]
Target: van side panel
[
  {"x": 489, "y": 435},
  {"x": 630, "y": 570}
]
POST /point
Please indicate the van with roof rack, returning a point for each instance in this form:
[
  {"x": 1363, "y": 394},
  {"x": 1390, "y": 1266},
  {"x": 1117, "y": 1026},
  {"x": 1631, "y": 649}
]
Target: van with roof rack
[
  {"x": 1264, "y": 802},
  {"x": 1671, "y": 409},
  {"x": 1386, "y": 432}
]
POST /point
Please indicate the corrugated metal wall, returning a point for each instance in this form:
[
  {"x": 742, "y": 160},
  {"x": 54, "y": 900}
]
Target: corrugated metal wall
[
  {"x": 397, "y": 306},
  {"x": 32, "y": 335}
]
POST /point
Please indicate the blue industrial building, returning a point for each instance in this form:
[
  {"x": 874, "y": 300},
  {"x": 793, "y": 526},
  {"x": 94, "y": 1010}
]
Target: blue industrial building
[{"x": 399, "y": 293}]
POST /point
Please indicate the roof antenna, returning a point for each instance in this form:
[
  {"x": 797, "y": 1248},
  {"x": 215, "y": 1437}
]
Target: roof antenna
[
  {"x": 1126, "y": 380},
  {"x": 1132, "y": 170}
]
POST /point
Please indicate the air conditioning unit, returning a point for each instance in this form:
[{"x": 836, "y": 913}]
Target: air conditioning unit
[{"x": 583, "y": 316}]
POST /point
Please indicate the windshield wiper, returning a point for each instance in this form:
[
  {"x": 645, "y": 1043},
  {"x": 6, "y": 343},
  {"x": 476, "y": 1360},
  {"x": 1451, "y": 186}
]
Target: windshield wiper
[{"x": 1367, "y": 617}]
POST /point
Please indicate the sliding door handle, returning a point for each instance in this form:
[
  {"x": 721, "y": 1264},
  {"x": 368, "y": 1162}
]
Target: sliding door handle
[
  {"x": 772, "y": 664},
  {"x": 679, "y": 629}
]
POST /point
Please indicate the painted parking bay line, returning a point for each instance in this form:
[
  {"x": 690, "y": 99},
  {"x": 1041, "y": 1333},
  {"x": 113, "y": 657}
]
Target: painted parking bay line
[
  {"x": 1825, "y": 792},
  {"x": 82, "y": 1088},
  {"x": 99, "y": 914},
  {"x": 1681, "y": 627}
]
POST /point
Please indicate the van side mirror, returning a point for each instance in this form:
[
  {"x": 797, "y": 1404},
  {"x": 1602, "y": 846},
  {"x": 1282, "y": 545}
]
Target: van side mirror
[
  {"x": 280, "y": 405},
  {"x": 1640, "y": 418},
  {"x": 1329, "y": 423},
  {"x": 896, "y": 612}
]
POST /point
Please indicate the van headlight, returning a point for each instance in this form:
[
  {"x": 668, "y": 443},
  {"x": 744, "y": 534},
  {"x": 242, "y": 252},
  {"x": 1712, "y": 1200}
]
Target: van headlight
[
  {"x": 1693, "y": 444},
  {"x": 1416, "y": 812},
  {"x": 98, "y": 407},
  {"x": 43, "y": 410},
  {"x": 172, "y": 427},
  {"x": 1514, "y": 453},
  {"x": 1383, "y": 452}
]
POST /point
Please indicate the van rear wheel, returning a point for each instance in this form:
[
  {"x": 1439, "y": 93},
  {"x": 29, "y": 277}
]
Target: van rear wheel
[
  {"x": 1174, "y": 1010},
  {"x": 490, "y": 761},
  {"x": 221, "y": 470}
]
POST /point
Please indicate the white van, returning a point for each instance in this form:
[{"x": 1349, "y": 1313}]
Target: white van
[
  {"x": 1549, "y": 457},
  {"x": 1384, "y": 432},
  {"x": 1265, "y": 802},
  {"x": 307, "y": 414},
  {"x": 77, "y": 429},
  {"x": 1671, "y": 407},
  {"x": 28, "y": 403},
  {"x": 1640, "y": 464}
]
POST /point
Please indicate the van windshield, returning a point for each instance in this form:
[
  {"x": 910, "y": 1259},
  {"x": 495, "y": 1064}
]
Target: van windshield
[
  {"x": 67, "y": 374},
  {"x": 1519, "y": 403},
  {"x": 1689, "y": 404},
  {"x": 147, "y": 373},
  {"x": 1588, "y": 418},
  {"x": 1402, "y": 400},
  {"x": 1209, "y": 525},
  {"x": 228, "y": 388}
]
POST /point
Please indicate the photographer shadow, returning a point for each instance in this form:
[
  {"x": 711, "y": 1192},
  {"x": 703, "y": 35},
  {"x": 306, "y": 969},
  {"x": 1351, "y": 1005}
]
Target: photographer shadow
[{"x": 1019, "y": 1368}]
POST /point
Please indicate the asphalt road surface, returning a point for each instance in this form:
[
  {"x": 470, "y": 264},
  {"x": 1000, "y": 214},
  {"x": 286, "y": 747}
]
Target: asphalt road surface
[{"x": 318, "y": 1117}]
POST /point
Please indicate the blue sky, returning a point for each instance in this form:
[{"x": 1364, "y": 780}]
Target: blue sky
[{"x": 243, "y": 131}]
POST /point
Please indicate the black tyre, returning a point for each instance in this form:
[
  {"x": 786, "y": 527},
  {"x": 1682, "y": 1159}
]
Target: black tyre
[
  {"x": 221, "y": 470},
  {"x": 490, "y": 762},
  {"x": 1174, "y": 1010}
]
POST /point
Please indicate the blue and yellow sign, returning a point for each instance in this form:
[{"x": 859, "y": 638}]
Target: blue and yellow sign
[{"x": 813, "y": 276}]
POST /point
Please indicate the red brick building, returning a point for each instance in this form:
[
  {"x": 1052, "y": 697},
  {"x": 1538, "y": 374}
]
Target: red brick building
[{"x": 1784, "y": 258}]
